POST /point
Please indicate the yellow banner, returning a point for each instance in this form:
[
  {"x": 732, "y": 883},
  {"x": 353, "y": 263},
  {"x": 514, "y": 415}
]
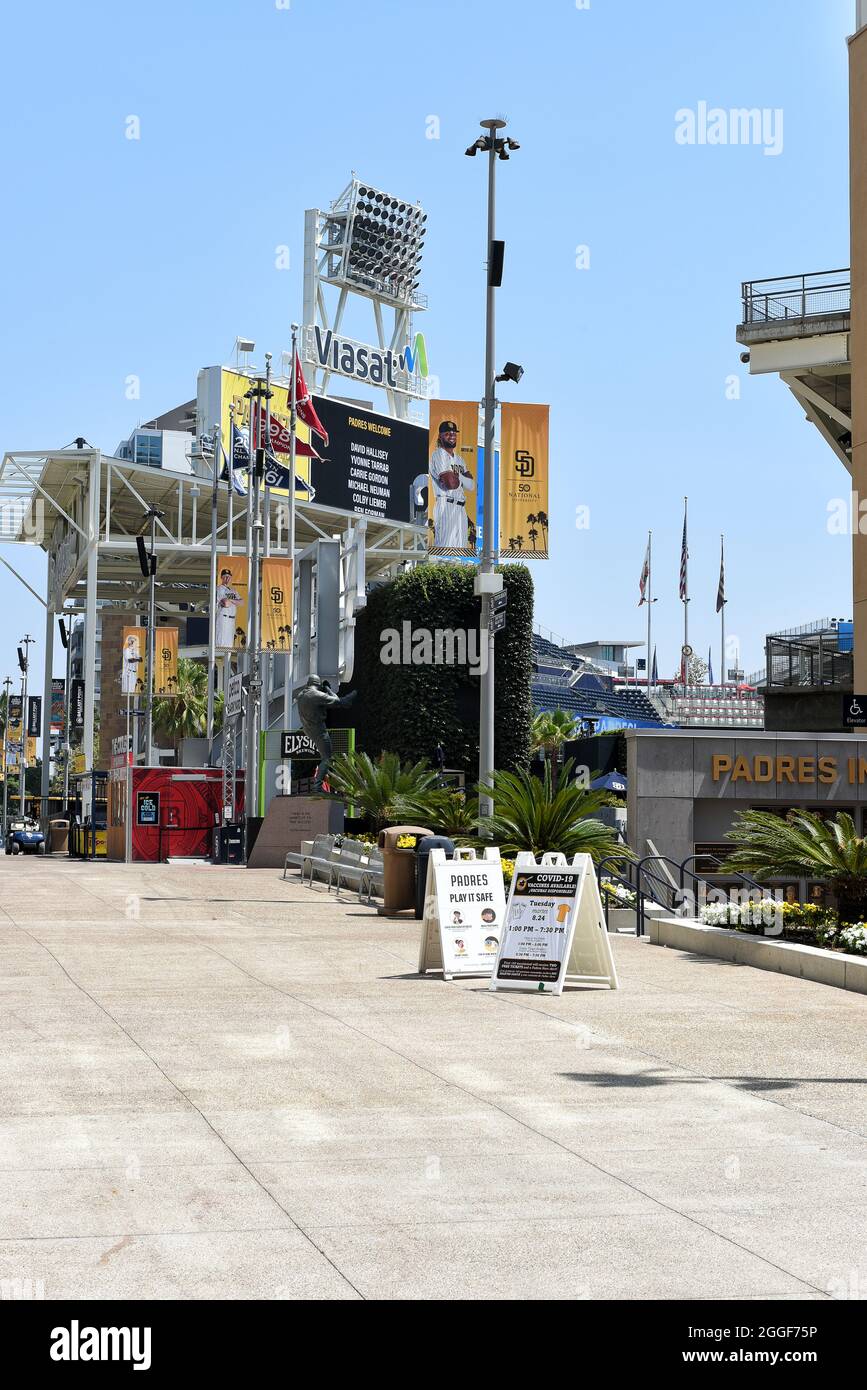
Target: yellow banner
[
  {"x": 452, "y": 500},
  {"x": 233, "y": 574},
  {"x": 276, "y": 605},
  {"x": 134, "y": 660},
  {"x": 524, "y": 482},
  {"x": 31, "y": 750},
  {"x": 234, "y": 388},
  {"x": 166, "y": 661}
]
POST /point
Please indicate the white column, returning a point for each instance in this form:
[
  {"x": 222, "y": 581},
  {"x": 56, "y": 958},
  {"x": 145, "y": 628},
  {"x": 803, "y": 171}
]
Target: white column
[{"x": 89, "y": 671}]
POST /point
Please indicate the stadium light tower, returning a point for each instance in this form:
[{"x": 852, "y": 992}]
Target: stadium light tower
[{"x": 487, "y": 582}]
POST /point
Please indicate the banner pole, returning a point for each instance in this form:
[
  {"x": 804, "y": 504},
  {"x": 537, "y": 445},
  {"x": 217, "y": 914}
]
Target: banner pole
[
  {"x": 212, "y": 608},
  {"x": 289, "y": 675}
]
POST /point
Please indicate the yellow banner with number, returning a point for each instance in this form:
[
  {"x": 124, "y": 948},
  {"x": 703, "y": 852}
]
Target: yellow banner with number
[
  {"x": 524, "y": 482},
  {"x": 276, "y": 605},
  {"x": 166, "y": 661}
]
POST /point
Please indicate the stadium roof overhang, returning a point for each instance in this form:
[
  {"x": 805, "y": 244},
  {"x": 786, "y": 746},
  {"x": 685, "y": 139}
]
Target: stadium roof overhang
[{"x": 76, "y": 502}]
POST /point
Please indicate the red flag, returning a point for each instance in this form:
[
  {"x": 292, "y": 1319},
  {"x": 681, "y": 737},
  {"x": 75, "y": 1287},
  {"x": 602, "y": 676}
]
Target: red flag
[
  {"x": 304, "y": 405},
  {"x": 281, "y": 439}
]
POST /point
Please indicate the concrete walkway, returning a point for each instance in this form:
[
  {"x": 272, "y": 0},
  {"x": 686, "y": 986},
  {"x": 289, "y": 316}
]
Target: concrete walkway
[{"x": 215, "y": 1084}]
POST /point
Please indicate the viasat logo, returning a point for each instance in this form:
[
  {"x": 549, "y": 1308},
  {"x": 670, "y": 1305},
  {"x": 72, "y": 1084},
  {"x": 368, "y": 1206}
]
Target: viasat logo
[{"x": 413, "y": 359}]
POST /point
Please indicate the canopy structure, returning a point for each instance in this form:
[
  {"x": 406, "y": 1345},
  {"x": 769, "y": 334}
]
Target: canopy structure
[{"x": 85, "y": 510}]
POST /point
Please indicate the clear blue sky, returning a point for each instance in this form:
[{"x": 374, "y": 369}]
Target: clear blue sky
[{"x": 150, "y": 256}]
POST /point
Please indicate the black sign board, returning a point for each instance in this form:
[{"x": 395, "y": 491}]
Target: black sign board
[
  {"x": 294, "y": 744},
  {"x": 497, "y": 621},
  {"x": 499, "y": 601},
  {"x": 147, "y": 808},
  {"x": 34, "y": 716},
  {"x": 854, "y": 711},
  {"x": 641, "y": 664},
  {"x": 76, "y": 704},
  {"x": 370, "y": 462}
]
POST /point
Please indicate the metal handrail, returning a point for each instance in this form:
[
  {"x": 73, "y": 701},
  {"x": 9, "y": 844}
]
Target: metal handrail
[
  {"x": 646, "y": 879},
  {"x": 768, "y": 301}
]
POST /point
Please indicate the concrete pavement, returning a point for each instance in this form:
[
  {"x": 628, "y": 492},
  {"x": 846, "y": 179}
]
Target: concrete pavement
[{"x": 217, "y": 1084}]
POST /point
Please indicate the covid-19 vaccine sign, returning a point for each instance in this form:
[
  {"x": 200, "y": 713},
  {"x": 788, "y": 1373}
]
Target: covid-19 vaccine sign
[{"x": 554, "y": 932}]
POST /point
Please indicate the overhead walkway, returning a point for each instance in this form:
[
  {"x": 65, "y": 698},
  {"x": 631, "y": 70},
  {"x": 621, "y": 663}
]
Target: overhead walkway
[{"x": 798, "y": 327}]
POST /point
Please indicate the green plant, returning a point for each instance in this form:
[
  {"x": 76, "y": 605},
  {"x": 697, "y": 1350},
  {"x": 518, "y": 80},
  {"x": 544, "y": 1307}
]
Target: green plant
[
  {"x": 531, "y": 814},
  {"x": 804, "y": 845},
  {"x": 410, "y": 708},
  {"x": 185, "y": 715},
  {"x": 549, "y": 731},
  {"x": 449, "y": 811},
  {"x": 386, "y": 791}
]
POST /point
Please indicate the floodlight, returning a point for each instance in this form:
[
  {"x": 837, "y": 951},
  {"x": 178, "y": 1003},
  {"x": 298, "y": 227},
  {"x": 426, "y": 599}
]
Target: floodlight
[{"x": 511, "y": 372}]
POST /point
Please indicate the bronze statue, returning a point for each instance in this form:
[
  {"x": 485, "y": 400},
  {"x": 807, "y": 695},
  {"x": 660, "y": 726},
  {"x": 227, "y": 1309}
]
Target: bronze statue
[{"x": 314, "y": 700}]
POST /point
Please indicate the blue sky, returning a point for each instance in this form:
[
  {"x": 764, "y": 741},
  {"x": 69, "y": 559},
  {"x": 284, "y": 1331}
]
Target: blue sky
[{"x": 148, "y": 257}]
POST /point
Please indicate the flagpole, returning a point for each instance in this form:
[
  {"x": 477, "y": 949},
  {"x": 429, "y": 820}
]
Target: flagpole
[
  {"x": 722, "y": 616},
  {"x": 685, "y": 662},
  {"x": 649, "y": 600},
  {"x": 230, "y": 464},
  {"x": 289, "y": 676},
  {"x": 212, "y": 605},
  {"x": 265, "y": 657}
]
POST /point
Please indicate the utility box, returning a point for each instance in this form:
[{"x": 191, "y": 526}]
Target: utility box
[
  {"x": 398, "y": 869},
  {"x": 228, "y": 845}
]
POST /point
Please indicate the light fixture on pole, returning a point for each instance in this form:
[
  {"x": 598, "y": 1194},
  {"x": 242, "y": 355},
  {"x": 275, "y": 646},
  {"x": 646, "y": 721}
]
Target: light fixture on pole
[
  {"x": 148, "y": 561},
  {"x": 487, "y": 582},
  {"x": 65, "y": 634},
  {"x": 24, "y": 662},
  {"x": 8, "y": 686}
]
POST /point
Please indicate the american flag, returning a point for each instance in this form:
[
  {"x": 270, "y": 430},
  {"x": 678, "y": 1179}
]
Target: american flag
[
  {"x": 684, "y": 557},
  {"x": 721, "y": 591},
  {"x": 645, "y": 575}
]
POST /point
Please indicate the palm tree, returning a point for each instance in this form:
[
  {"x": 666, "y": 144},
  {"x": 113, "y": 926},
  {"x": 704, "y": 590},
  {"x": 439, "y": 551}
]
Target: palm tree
[
  {"x": 549, "y": 731},
  {"x": 385, "y": 791},
  {"x": 532, "y": 533},
  {"x": 185, "y": 714},
  {"x": 804, "y": 845},
  {"x": 530, "y": 814},
  {"x": 448, "y": 811}
]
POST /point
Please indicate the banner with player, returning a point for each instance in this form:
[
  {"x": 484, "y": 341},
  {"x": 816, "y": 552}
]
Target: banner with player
[
  {"x": 233, "y": 576},
  {"x": 166, "y": 661},
  {"x": 452, "y": 479},
  {"x": 132, "y": 670},
  {"x": 276, "y": 605},
  {"x": 524, "y": 482}
]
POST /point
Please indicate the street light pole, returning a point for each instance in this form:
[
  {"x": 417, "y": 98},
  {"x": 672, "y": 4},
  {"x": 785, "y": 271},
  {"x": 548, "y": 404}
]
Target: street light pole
[
  {"x": 154, "y": 514},
  {"x": 8, "y": 684},
  {"x": 496, "y": 147},
  {"x": 27, "y": 642}
]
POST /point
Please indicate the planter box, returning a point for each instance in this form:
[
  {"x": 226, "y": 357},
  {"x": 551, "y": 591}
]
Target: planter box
[
  {"x": 621, "y": 919},
  {"x": 762, "y": 952}
]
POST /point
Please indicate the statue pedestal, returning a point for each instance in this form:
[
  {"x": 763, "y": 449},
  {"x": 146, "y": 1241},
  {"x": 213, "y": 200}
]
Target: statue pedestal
[{"x": 288, "y": 821}]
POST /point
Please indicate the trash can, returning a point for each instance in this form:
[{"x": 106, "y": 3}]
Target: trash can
[
  {"x": 228, "y": 846},
  {"x": 398, "y": 869},
  {"x": 422, "y": 855},
  {"x": 58, "y": 836}
]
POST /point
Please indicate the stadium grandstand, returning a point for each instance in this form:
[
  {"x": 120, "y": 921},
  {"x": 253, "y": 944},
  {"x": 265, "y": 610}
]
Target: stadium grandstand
[
  {"x": 602, "y": 701},
  {"x": 563, "y": 680}
]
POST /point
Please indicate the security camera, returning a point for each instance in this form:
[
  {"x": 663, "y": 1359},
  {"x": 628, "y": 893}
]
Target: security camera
[
  {"x": 511, "y": 372},
  {"x": 745, "y": 357}
]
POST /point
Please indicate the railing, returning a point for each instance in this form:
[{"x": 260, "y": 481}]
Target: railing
[
  {"x": 797, "y": 297},
  {"x": 656, "y": 887},
  {"x": 807, "y": 664}
]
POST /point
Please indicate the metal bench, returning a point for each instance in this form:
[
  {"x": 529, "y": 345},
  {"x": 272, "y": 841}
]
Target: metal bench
[{"x": 318, "y": 860}]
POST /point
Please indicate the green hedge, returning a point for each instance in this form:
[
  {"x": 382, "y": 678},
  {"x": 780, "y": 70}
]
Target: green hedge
[{"x": 408, "y": 709}]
